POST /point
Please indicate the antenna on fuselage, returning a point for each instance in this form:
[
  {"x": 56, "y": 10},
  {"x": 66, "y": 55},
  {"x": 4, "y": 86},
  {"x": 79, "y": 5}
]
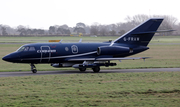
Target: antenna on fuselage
[
  {"x": 60, "y": 41},
  {"x": 80, "y": 40}
]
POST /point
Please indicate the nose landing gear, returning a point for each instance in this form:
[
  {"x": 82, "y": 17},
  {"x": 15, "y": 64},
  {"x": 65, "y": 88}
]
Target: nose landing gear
[{"x": 33, "y": 68}]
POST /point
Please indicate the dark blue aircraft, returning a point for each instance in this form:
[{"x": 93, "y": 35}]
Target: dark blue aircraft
[{"x": 88, "y": 55}]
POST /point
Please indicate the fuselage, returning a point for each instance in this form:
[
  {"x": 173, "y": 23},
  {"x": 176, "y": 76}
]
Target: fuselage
[{"x": 61, "y": 52}]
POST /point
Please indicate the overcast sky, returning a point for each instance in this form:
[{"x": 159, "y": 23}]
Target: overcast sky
[{"x": 45, "y": 13}]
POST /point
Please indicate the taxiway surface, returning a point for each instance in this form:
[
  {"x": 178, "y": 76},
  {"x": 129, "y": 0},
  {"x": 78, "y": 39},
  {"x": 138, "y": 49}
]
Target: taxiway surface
[{"x": 29, "y": 73}]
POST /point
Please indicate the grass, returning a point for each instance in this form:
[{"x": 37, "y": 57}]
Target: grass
[
  {"x": 103, "y": 89},
  {"x": 164, "y": 54},
  {"x": 45, "y": 39},
  {"x": 160, "y": 89}
]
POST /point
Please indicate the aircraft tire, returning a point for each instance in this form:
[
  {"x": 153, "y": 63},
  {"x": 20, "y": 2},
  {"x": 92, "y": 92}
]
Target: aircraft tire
[
  {"x": 96, "y": 69},
  {"x": 34, "y": 71},
  {"x": 82, "y": 69}
]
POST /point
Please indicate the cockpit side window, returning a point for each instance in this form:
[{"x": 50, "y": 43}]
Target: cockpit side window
[
  {"x": 26, "y": 48},
  {"x": 21, "y": 49}
]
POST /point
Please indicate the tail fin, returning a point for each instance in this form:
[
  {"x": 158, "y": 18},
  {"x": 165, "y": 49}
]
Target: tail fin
[{"x": 142, "y": 34}]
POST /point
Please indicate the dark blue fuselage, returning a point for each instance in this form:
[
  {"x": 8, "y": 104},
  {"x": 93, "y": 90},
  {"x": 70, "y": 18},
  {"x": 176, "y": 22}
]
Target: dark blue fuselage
[{"x": 61, "y": 52}]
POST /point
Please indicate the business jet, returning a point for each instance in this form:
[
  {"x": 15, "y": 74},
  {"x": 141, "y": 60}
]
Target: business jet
[{"x": 88, "y": 55}]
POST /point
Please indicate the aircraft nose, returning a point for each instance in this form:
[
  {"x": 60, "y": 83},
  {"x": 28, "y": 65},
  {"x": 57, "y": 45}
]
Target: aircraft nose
[
  {"x": 4, "y": 58},
  {"x": 7, "y": 58},
  {"x": 10, "y": 57}
]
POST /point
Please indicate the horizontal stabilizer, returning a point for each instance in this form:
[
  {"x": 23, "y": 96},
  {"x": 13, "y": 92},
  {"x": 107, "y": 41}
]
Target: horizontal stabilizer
[{"x": 160, "y": 31}]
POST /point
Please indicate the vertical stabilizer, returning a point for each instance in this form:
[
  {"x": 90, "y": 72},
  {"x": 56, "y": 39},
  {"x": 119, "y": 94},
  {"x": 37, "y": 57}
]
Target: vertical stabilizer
[{"x": 142, "y": 34}]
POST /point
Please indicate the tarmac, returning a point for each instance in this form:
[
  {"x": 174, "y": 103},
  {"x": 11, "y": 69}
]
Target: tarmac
[{"x": 76, "y": 71}]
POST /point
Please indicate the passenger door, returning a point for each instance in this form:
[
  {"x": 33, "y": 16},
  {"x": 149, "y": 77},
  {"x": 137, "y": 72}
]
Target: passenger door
[{"x": 45, "y": 54}]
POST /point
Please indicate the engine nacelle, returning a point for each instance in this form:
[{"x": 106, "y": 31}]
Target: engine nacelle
[{"x": 112, "y": 50}]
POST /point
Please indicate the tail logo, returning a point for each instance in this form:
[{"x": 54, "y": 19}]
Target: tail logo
[{"x": 131, "y": 39}]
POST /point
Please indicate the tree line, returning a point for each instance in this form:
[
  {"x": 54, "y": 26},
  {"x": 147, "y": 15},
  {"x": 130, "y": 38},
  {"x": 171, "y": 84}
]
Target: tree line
[{"x": 119, "y": 28}]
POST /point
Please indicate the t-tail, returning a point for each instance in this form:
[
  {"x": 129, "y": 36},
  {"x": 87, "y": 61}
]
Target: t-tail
[{"x": 142, "y": 34}]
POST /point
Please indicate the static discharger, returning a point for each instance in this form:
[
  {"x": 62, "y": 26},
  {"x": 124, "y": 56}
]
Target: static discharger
[{"x": 54, "y": 40}]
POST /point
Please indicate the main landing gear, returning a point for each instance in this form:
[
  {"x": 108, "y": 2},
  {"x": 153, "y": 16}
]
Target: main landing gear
[
  {"x": 33, "y": 68},
  {"x": 96, "y": 69}
]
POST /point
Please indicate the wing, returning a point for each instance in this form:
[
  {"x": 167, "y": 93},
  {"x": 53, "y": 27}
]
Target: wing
[
  {"x": 105, "y": 59},
  {"x": 81, "y": 59},
  {"x": 127, "y": 58}
]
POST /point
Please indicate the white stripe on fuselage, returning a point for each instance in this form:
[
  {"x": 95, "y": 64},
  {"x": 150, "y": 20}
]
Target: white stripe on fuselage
[{"x": 67, "y": 56}]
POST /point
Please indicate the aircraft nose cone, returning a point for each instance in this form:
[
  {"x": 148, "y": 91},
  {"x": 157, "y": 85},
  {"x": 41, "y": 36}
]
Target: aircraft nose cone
[
  {"x": 11, "y": 57},
  {"x": 6, "y": 58}
]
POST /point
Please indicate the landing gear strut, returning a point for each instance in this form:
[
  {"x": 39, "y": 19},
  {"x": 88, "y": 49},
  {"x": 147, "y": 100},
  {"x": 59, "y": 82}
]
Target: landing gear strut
[
  {"x": 33, "y": 68},
  {"x": 96, "y": 69}
]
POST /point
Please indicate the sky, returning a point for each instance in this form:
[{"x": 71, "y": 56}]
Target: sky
[{"x": 41, "y": 14}]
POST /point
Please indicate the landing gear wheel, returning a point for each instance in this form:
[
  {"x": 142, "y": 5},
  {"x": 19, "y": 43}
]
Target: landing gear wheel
[
  {"x": 96, "y": 69},
  {"x": 82, "y": 69},
  {"x": 33, "y": 68}
]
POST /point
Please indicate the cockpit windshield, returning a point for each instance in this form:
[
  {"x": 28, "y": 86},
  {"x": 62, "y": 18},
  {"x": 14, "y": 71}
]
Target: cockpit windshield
[{"x": 26, "y": 48}]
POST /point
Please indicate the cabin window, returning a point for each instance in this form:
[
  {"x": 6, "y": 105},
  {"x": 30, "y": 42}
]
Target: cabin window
[{"x": 31, "y": 49}]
